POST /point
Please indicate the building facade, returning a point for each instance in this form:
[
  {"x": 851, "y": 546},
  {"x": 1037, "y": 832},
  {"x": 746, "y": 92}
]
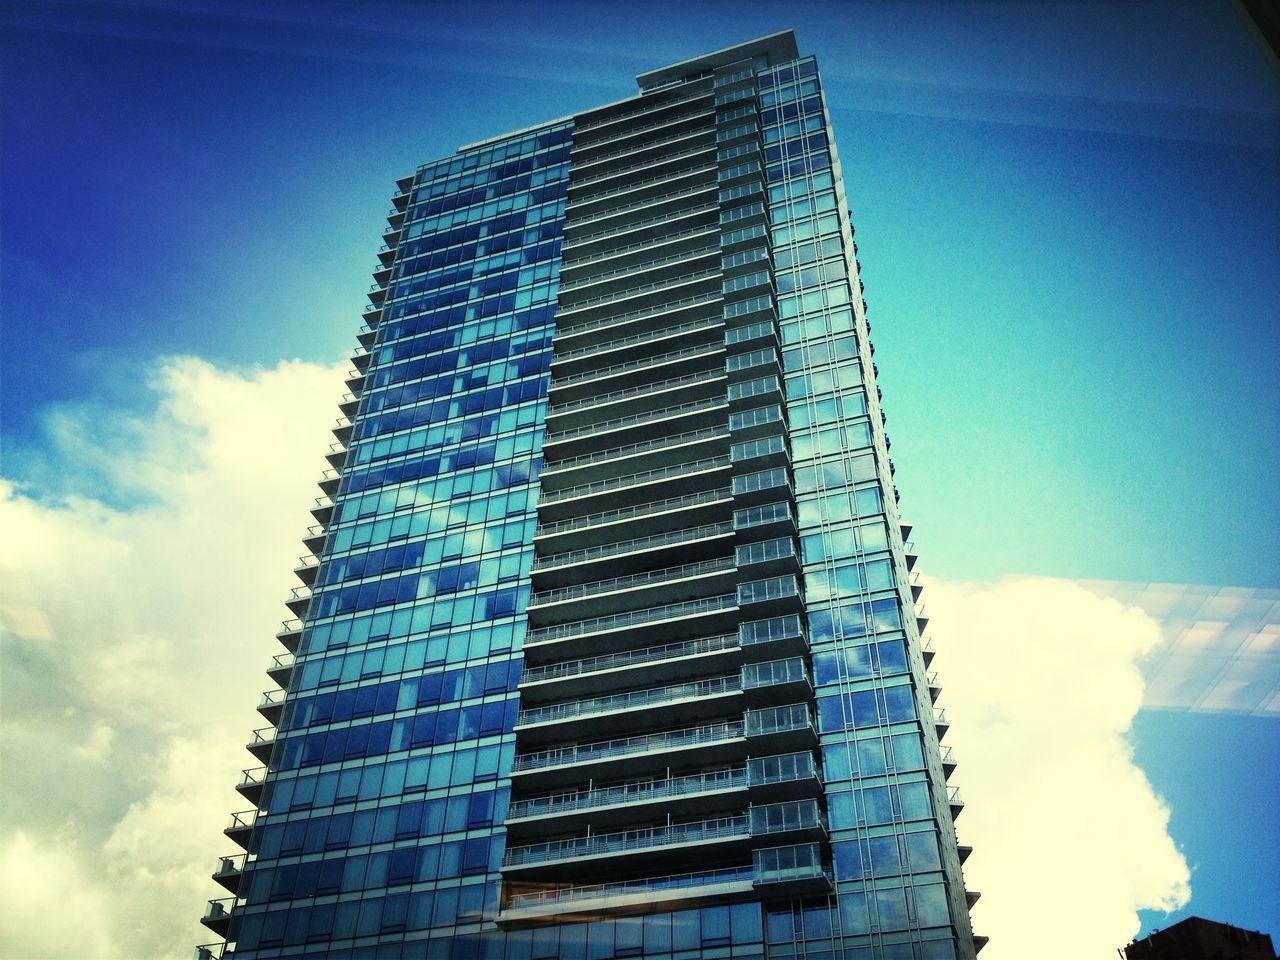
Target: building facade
[{"x": 609, "y": 644}]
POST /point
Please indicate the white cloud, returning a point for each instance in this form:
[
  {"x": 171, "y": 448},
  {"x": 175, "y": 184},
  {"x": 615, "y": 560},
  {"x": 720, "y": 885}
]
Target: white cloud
[
  {"x": 1041, "y": 684},
  {"x": 133, "y": 638}
]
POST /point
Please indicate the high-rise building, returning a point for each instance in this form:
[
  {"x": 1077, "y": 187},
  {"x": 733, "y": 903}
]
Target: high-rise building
[{"x": 609, "y": 645}]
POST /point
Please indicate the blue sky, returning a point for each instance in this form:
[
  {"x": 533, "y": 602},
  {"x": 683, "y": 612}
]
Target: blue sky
[{"x": 1068, "y": 217}]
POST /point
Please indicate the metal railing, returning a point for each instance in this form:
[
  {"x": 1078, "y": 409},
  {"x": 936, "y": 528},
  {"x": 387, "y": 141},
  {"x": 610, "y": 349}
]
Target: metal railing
[
  {"x": 681, "y": 194},
  {"x": 626, "y": 450},
  {"x": 631, "y": 658},
  {"x": 647, "y": 106},
  {"x": 656, "y": 333},
  {"x": 643, "y": 245},
  {"x": 627, "y": 840},
  {"x": 634, "y": 420},
  {"x": 632, "y": 480},
  {"x": 617, "y": 319},
  {"x": 632, "y": 618},
  {"x": 643, "y": 145},
  {"x": 709, "y": 148},
  {"x": 638, "y": 268},
  {"x": 665, "y": 539},
  {"x": 642, "y": 389},
  {"x": 591, "y": 706},
  {"x": 629, "y": 292},
  {"x": 578, "y": 891},
  {"x": 631, "y": 185},
  {"x": 645, "y": 743},
  {"x": 632, "y": 131},
  {"x": 628, "y": 793},
  {"x": 631, "y": 225},
  {"x": 639, "y": 510},
  {"x": 643, "y": 363}
]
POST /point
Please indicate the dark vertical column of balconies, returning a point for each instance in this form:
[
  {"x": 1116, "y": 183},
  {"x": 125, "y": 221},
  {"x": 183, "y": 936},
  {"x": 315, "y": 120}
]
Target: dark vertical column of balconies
[
  {"x": 786, "y": 817},
  {"x": 630, "y": 747}
]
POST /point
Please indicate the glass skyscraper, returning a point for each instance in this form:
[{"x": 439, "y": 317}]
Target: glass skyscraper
[{"x": 609, "y": 645}]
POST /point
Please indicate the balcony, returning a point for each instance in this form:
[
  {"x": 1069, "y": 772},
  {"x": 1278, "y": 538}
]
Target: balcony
[
  {"x": 271, "y": 706},
  {"x": 623, "y": 276},
  {"x": 342, "y": 428},
  {"x": 315, "y": 537},
  {"x": 679, "y": 478},
  {"x": 726, "y": 834},
  {"x": 651, "y": 104},
  {"x": 776, "y": 635},
  {"x": 323, "y": 509},
  {"x": 641, "y": 340},
  {"x": 230, "y": 870},
  {"x": 949, "y": 762},
  {"x": 676, "y": 703},
  {"x": 779, "y": 729},
  {"x": 626, "y": 799},
  {"x": 261, "y": 743},
  {"x": 337, "y": 455},
  {"x": 652, "y": 292},
  {"x": 583, "y": 146},
  {"x": 281, "y": 669},
  {"x": 684, "y": 137},
  {"x": 625, "y": 258},
  {"x": 633, "y": 373},
  {"x": 667, "y": 176},
  {"x": 791, "y": 870},
  {"x": 705, "y": 214},
  {"x": 656, "y": 516},
  {"x": 329, "y": 481},
  {"x": 686, "y": 581},
  {"x": 251, "y": 783},
  {"x": 790, "y": 819},
  {"x": 684, "y": 618},
  {"x": 696, "y": 155},
  {"x": 783, "y": 776},
  {"x": 290, "y": 634},
  {"x": 241, "y": 827},
  {"x": 940, "y": 724},
  {"x": 581, "y": 440},
  {"x": 776, "y": 680},
  {"x": 679, "y": 543},
  {"x": 307, "y": 568},
  {"x": 955, "y": 801},
  {"x": 631, "y": 756},
  {"x": 217, "y": 915},
  {"x": 699, "y": 385},
  {"x": 935, "y": 687},
  {"x": 652, "y": 454},
  {"x": 299, "y": 600},
  {"x": 647, "y": 664},
  {"x": 210, "y": 951},
  {"x": 676, "y": 891}
]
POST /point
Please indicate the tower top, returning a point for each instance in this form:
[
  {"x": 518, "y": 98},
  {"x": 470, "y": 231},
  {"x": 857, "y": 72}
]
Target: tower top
[{"x": 777, "y": 47}]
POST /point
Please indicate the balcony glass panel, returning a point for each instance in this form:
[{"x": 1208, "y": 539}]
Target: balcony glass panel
[
  {"x": 630, "y": 700},
  {"x": 647, "y": 790},
  {"x": 628, "y": 840},
  {"x": 793, "y": 716},
  {"x": 782, "y": 817},
  {"x": 601, "y": 749},
  {"x": 767, "y": 631},
  {"x": 784, "y": 768},
  {"x": 774, "y": 672},
  {"x": 764, "y": 551}
]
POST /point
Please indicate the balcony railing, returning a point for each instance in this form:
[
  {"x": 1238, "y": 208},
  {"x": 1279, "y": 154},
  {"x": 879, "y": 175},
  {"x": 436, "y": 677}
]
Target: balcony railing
[
  {"x": 702, "y": 114},
  {"x": 632, "y": 480},
  {"x": 618, "y": 547},
  {"x": 641, "y": 245},
  {"x": 629, "y": 292},
  {"x": 643, "y": 389},
  {"x": 658, "y": 333},
  {"x": 591, "y": 706},
  {"x": 632, "y": 225},
  {"x": 647, "y": 106},
  {"x": 628, "y": 793},
  {"x": 643, "y": 267},
  {"x": 615, "y": 453},
  {"x": 646, "y": 743},
  {"x": 627, "y": 841},
  {"x": 647, "y": 163},
  {"x": 631, "y": 658},
  {"x": 578, "y": 891},
  {"x": 632, "y": 618},
  {"x": 639, "y": 510},
  {"x": 638, "y": 147},
  {"x": 690, "y": 353},
  {"x": 631, "y": 185},
  {"x": 635, "y": 420}
]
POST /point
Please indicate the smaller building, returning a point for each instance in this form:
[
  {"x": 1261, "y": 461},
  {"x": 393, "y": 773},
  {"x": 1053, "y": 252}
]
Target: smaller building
[{"x": 1196, "y": 938}]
